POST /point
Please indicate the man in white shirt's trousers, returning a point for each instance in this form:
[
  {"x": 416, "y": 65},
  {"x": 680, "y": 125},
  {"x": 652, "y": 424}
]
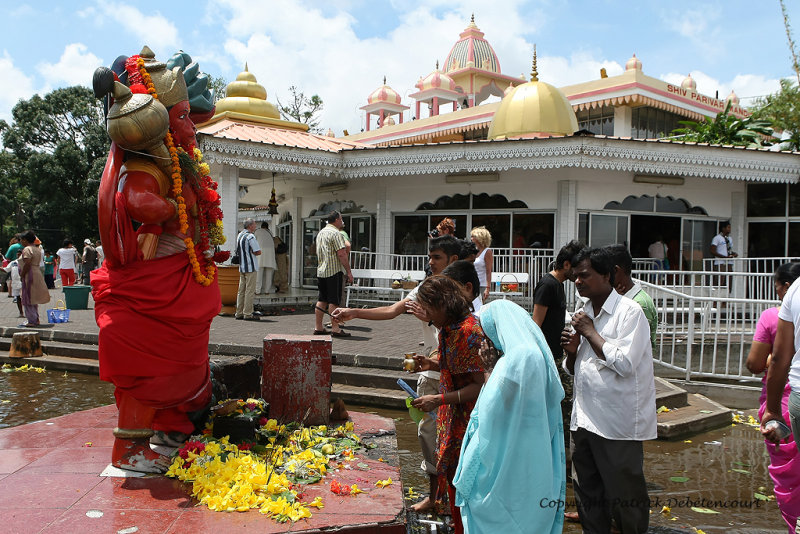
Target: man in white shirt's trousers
[{"x": 614, "y": 409}]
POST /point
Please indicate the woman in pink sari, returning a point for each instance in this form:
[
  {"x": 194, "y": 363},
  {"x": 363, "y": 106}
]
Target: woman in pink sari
[{"x": 784, "y": 468}]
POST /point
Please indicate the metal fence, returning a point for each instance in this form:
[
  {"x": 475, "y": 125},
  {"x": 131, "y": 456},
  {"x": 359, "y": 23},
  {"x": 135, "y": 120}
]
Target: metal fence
[{"x": 704, "y": 332}]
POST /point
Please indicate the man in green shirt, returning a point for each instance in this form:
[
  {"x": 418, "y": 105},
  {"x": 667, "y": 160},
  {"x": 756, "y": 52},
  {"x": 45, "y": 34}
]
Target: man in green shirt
[{"x": 625, "y": 286}]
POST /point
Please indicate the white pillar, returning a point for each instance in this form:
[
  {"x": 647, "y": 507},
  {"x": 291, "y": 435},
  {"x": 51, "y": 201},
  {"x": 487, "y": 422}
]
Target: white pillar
[
  {"x": 566, "y": 213},
  {"x": 296, "y": 247},
  {"x": 623, "y": 121},
  {"x": 383, "y": 224},
  {"x": 229, "y": 191}
]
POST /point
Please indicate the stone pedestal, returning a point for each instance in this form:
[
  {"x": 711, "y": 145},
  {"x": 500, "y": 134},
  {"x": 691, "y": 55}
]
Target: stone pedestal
[
  {"x": 296, "y": 377},
  {"x": 25, "y": 344}
]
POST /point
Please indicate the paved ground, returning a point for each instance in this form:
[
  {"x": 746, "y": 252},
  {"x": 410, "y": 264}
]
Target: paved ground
[{"x": 379, "y": 338}]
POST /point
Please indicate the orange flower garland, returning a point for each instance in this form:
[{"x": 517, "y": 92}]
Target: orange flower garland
[{"x": 177, "y": 193}]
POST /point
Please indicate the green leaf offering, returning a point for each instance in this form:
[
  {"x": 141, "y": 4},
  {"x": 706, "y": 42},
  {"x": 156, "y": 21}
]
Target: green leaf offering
[
  {"x": 744, "y": 471},
  {"x": 703, "y": 510},
  {"x": 679, "y": 479}
]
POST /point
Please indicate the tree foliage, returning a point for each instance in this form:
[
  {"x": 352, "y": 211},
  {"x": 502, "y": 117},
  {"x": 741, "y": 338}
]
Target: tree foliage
[
  {"x": 55, "y": 152},
  {"x": 303, "y": 109},
  {"x": 782, "y": 109},
  {"x": 218, "y": 87},
  {"x": 727, "y": 129}
]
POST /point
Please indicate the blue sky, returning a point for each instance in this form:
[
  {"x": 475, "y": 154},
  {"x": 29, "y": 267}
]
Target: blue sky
[{"x": 342, "y": 49}]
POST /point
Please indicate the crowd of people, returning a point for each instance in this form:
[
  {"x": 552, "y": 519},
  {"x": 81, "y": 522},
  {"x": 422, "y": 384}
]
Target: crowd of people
[
  {"x": 23, "y": 270},
  {"x": 500, "y": 383}
]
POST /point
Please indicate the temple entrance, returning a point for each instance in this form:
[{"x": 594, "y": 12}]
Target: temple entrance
[{"x": 646, "y": 229}]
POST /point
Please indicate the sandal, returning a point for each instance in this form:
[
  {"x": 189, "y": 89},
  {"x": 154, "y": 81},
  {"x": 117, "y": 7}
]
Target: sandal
[
  {"x": 321, "y": 332},
  {"x": 341, "y": 334}
]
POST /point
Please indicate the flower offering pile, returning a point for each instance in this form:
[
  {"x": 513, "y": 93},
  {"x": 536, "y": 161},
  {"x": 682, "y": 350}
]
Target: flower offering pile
[{"x": 269, "y": 473}]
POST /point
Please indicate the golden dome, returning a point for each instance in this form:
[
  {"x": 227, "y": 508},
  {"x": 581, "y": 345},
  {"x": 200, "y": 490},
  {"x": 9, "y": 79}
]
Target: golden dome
[
  {"x": 436, "y": 80},
  {"x": 689, "y": 83},
  {"x": 246, "y": 96},
  {"x": 388, "y": 121},
  {"x": 533, "y": 109},
  {"x": 633, "y": 63},
  {"x": 384, "y": 93},
  {"x": 733, "y": 98}
]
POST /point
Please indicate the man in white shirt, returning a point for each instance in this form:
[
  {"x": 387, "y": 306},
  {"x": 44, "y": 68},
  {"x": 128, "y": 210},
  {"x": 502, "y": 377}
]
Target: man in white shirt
[
  {"x": 785, "y": 364},
  {"x": 266, "y": 262},
  {"x": 614, "y": 409}
]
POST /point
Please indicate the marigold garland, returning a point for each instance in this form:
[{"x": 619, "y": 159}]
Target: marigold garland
[{"x": 207, "y": 198}]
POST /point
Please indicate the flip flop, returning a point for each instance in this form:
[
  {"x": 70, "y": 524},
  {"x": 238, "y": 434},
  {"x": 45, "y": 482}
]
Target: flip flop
[
  {"x": 321, "y": 332},
  {"x": 341, "y": 334}
]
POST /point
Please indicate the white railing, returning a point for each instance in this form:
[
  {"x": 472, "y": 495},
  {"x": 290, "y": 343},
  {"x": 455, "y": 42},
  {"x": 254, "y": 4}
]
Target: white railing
[
  {"x": 751, "y": 265},
  {"x": 704, "y": 332},
  {"x": 742, "y": 285}
]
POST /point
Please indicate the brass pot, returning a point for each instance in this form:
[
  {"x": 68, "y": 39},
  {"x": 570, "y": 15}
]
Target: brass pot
[{"x": 136, "y": 121}]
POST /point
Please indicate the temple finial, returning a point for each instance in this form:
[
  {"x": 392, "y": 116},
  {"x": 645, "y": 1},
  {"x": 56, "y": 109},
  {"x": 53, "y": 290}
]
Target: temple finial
[
  {"x": 472, "y": 18},
  {"x": 437, "y": 64},
  {"x": 534, "y": 72},
  {"x": 384, "y": 79},
  {"x": 245, "y": 67}
]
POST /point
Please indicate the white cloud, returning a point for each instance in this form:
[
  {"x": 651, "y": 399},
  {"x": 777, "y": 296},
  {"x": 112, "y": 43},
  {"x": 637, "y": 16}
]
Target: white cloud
[
  {"x": 701, "y": 27},
  {"x": 332, "y": 61},
  {"x": 74, "y": 67},
  {"x": 14, "y": 86},
  {"x": 746, "y": 86},
  {"x": 155, "y": 30},
  {"x": 578, "y": 68}
]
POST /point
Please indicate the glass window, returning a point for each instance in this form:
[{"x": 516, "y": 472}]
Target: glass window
[
  {"x": 411, "y": 234},
  {"x": 461, "y": 224},
  {"x": 583, "y": 227},
  {"x": 608, "y": 230},
  {"x": 794, "y": 200},
  {"x": 766, "y": 239},
  {"x": 360, "y": 230},
  {"x": 535, "y": 230},
  {"x": 599, "y": 121},
  {"x": 498, "y": 225},
  {"x": 651, "y": 123},
  {"x": 697, "y": 236},
  {"x": 794, "y": 240},
  {"x": 311, "y": 228},
  {"x": 766, "y": 200}
]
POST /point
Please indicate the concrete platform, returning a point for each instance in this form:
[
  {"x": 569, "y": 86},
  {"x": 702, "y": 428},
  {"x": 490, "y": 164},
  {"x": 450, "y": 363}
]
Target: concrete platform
[{"x": 50, "y": 483}]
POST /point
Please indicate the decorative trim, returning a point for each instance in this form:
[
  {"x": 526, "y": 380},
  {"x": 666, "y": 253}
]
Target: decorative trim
[{"x": 601, "y": 153}]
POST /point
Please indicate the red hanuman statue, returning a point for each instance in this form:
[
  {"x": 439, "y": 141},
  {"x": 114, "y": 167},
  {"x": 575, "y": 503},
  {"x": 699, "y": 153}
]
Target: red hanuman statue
[{"x": 156, "y": 293}]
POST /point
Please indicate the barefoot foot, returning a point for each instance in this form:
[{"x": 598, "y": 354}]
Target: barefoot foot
[
  {"x": 136, "y": 455},
  {"x": 423, "y": 506}
]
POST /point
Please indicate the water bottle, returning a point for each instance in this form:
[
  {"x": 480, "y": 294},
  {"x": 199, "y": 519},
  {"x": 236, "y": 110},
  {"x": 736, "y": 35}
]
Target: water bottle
[{"x": 783, "y": 431}]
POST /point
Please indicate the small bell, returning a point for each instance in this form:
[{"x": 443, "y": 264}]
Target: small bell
[{"x": 273, "y": 204}]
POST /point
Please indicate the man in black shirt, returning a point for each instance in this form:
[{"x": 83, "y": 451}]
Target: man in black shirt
[{"x": 549, "y": 300}]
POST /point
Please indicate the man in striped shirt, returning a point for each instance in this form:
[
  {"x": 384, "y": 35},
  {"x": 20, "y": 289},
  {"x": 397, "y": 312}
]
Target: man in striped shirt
[
  {"x": 331, "y": 270},
  {"x": 247, "y": 247}
]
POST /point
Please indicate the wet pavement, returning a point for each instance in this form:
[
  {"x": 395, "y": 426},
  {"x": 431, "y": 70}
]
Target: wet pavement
[{"x": 724, "y": 469}]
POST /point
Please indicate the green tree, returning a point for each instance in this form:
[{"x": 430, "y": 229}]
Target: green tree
[
  {"x": 727, "y": 129},
  {"x": 218, "y": 86},
  {"x": 300, "y": 108},
  {"x": 57, "y": 147}
]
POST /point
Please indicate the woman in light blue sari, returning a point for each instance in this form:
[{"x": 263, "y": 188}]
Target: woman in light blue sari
[{"x": 511, "y": 477}]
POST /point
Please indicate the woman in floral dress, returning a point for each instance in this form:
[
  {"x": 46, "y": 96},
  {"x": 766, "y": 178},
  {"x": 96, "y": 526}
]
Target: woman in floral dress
[{"x": 462, "y": 375}]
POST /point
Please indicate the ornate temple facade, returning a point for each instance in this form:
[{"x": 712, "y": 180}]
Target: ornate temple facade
[{"x": 540, "y": 167}]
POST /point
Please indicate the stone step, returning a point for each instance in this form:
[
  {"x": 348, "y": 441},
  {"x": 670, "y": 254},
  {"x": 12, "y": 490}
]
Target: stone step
[
  {"x": 56, "y": 363},
  {"x": 699, "y": 415},
  {"x": 385, "y": 398},
  {"x": 371, "y": 377},
  {"x": 669, "y": 395},
  {"x": 72, "y": 350}
]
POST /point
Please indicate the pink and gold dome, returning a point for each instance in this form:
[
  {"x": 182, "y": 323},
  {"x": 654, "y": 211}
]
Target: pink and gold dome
[
  {"x": 472, "y": 50},
  {"x": 732, "y": 98},
  {"x": 633, "y": 63},
  {"x": 689, "y": 83},
  {"x": 384, "y": 93},
  {"x": 436, "y": 80}
]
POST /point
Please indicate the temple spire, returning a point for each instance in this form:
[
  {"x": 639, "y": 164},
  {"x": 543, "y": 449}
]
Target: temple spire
[{"x": 534, "y": 72}]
